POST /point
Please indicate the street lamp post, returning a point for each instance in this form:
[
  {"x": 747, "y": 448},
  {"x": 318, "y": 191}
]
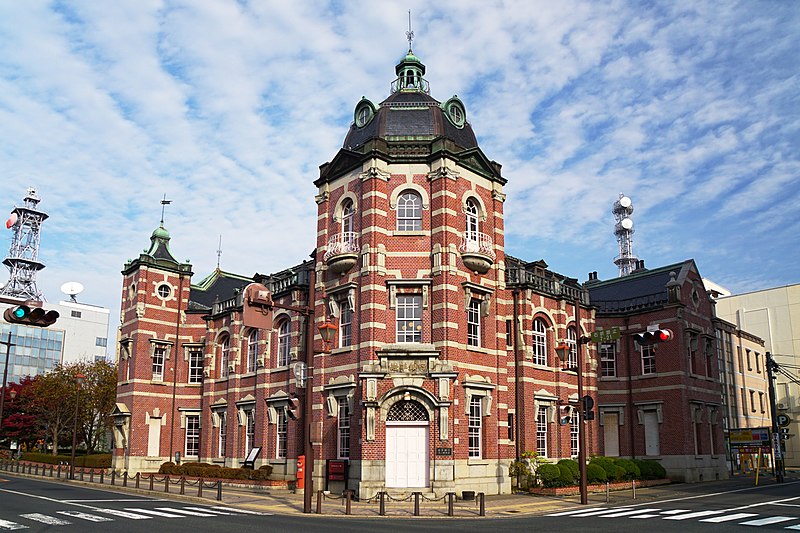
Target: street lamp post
[
  {"x": 562, "y": 350},
  {"x": 79, "y": 378}
]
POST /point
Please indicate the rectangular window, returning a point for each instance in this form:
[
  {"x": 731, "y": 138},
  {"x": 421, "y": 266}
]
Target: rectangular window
[
  {"x": 573, "y": 433},
  {"x": 648, "y": 360},
  {"x": 250, "y": 430},
  {"x": 608, "y": 360},
  {"x": 75, "y": 314},
  {"x": 192, "y": 447},
  {"x": 749, "y": 363},
  {"x": 741, "y": 359},
  {"x": 344, "y": 429},
  {"x": 761, "y": 401},
  {"x": 284, "y": 343},
  {"x": 101, "y": 341},
  {"x": 158, "y": 363},
  {"x": 509, "y": 333},
  {"x": 753, "y": 401},
  {"x": 475, "y": 420},
  {"x": 345, "y": 324},
  {"x": 539, "y": 342},
  {"x": 474, "y": 323},
  {"x": 195, "y": 366},
  {"x": 541, "y": 432},
  {"x": 409, "y": 318},
  {"x": 252, "y": 351},
  {"x": 758, "y": 363},
  {"x": 223, "y": 434},
  {"x": 282, "y": 433},
  {"x": 744, "y": 402}
]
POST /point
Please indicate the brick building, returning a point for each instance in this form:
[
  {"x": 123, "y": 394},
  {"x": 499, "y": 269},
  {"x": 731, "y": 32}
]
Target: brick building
[{"x": 444, "y": 367}]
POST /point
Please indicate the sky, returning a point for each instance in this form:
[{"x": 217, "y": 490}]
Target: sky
[{"x": 692, "y": 109}]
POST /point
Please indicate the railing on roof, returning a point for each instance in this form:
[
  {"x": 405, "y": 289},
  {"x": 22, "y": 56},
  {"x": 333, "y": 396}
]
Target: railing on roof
[
  {"x": 631, "y": 304},
  {"x": 227, "y": 305},
  {"x": 546, "y": 285}
]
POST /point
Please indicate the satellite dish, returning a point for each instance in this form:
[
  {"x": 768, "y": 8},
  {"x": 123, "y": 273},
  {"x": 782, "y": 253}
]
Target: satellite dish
[
  {"x": 625, "y": 201},
  {"x": 72, "y": 289},
  {"x": 627, "y": 223}
]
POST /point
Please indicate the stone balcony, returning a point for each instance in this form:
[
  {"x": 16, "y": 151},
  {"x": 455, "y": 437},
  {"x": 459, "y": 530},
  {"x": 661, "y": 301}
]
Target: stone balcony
[
  {"x": 477, "y": 251},
  {"x": 342, "y": 253}
]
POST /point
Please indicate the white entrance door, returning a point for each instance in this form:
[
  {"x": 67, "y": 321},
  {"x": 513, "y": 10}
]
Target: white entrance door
[{"x": 406, "y": 456}]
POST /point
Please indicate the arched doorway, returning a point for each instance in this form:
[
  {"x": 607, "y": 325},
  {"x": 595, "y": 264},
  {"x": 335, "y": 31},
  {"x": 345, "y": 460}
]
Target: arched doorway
[{"x": 407, "y": 432}]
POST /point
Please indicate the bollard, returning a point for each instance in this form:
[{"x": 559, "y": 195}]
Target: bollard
[
  {"x": 219, "y": 490},
  {"x": 51, "y": 470},
  {"x": 348, "y": 496},
  {"x": 416, "y": 503},
  {"x": 607, "y": 492},
  {"x": 81, "y": 473},
  {"x": 319, "y": 502},
  {"x": 151, "y": 481},
  {"x": 113, "y": 476},
  {"x": 183, "y": 485},
  {"x": 200, "y": 488},
  {"x": 482, "y": 508},
  {"x": 166, "y": 483},
  {"x": 633, "y": 488},
  {"x": 138, "y": 476},
  {"x": 450, "y": 497},
  {"x": 91, "y": 475},
  {"x": 58, "y": 472},
  {"x": 102, "y": 476},
  {"x": 382, "y": 508}
]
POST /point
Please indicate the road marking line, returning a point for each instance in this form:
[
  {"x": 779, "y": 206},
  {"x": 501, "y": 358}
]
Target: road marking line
[
  {"x": 693, "y": 515},
  {"x": 793, "y": 527},
  {"x": 601, "y": 512},
  {"x": 208, "y": 510},
  {"x": 576, "y": 511},
  {"x": 676, "y": 511},
  {"x": 770, "y": 520},
  {"x": 184, "y": 511},
  {"x": 123, "y": 514},
  {"x": 243, "y": 511},
  {"x": 86, "y": 516},
  {"x": 729, "y": 517},
  {"x": 628, "y": 513},
  {"x": 45, "y": 519},
  {"x": 155, "y": 513},
  {"x": 5, "y": 524},
  {"x": 645, "y": 516}
]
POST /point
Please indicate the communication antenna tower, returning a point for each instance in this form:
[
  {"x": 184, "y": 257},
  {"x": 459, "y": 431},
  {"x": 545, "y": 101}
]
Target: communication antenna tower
[
  {"x": 623, "y": 229},
  {"x": 23, "y": 256}
]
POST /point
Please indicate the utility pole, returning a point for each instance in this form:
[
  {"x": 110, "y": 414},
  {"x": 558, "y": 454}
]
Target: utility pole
[
  {"x": 8, "y": 344},
  {"x": 776, "y": 437}
]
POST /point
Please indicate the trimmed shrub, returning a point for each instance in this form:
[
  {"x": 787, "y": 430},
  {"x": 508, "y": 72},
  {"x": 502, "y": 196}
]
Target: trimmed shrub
[
  {"x": 607, "y": 464},
  {"x": 565, "y": 477},
  {"x": 98, "y": 460},
  {"x": 595, "y": 473},
  {"x": 631, "y": 470},
  {"x": 572, "y": 465},
  {"x": 548, "y": 475},
  {"x": 651, "y": 469}
]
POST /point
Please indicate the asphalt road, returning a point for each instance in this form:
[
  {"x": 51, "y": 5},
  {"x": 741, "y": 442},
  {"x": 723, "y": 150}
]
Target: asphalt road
[{"x": 36, "y": 505}]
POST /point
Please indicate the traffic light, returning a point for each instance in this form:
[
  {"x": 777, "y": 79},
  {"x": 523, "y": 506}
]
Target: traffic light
[
  {"x": 30, "y": 313},
  {"x": 293, "y": 409},
  {"x": 564, "y": 414},
  {"x": 648, "y": 338},
  {"x": 588, "y": 404}
]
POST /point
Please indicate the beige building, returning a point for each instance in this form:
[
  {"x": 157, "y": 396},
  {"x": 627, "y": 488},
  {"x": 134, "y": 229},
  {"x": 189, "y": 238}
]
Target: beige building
[
  {"x": 743, "y": 376},
  {"x": 774, "y": 316}
]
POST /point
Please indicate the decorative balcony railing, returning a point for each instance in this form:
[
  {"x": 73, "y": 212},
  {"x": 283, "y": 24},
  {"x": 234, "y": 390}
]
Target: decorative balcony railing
[
  {"x": 473, "y": 242},
  {"x": 342, "y": 252}
]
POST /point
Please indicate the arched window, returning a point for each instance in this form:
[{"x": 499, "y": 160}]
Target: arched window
[
  {"x": 224, "y": 356},
  {"x": 252, "y": 351},
  {"x": 284, "y": 338},
  {"x": 539, "y": 342},
  {"x": 572, "y": 358},
  {"x": 347, "y": 217},
  {"x": 472, "y": 212},
  {"x": 409, "y": 212}
]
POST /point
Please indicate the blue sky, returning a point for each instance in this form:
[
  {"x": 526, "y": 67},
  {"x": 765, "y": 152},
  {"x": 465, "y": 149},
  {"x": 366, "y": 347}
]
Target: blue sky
[{"x": 229, "y": 107}]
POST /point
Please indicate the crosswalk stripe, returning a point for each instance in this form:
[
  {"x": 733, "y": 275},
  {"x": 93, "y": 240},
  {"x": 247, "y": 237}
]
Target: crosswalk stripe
[
  {"x": 155, "y": 513},
  {"x": 86, "y": 516},
  {"x": 770, "y": 520},
  {"x": 45, "y": 519},
  {"x": 648, "y": 515},
  {"x": 676, "y": 511},
  {"x": 10, "y": 526},
  {"x": 796, "y": 527},
  {"x": 692, "y": 515},
  {"x": 242, "y": 511},
  {"x": 207, "y": 510},
  {"x": 728, "y": 518},
  {"x": 574, "y": 511},
  {"x": 602, "y": 512},
  {"x": 124, "y": 514},
  {"x": 184, "y": 511},
  {"x": 629, "y": 513}
]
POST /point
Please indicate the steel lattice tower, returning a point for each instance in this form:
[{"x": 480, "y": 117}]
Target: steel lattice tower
[
  {"x": 23, "y": 256},
  {"x": 623, "y": 209}
]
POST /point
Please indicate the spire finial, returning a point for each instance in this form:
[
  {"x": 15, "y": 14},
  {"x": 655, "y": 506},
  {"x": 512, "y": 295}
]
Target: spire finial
[
  {"x": 219, "y": 251},
  {"x": 410, "y": 32},
  {"x": 164, "y": 203}
]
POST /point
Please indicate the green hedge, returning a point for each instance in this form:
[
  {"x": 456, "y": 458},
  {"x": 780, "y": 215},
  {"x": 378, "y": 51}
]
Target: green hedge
[
  {"x": 99, "y": 460},
  {"x": 599, "y": 470},
  {"x": 206, "y": 470},
  {"x": 548, "y": 475}
]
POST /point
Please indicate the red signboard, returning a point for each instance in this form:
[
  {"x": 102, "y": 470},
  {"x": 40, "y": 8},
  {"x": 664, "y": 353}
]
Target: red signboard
[{"x": 336, "y": 470}]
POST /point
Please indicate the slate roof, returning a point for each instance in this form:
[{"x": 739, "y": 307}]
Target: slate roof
[
  {"x": 218, "y": 286},
  {"x": 640, "y": 289}
]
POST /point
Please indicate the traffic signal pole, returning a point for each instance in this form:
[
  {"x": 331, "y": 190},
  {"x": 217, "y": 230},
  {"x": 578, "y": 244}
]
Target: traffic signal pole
[
  {"x": 8, "y": 344},
  {"x": 579, "y": 342},
  {"x": 776, "y": 437}
]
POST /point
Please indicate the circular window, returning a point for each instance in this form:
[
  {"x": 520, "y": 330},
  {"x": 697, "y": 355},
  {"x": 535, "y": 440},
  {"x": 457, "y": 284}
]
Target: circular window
[
  {"x": 364, "y": 114},
  {"x": 454, "y": 110},
  {"x": 164, "y": 291},
  {"x": 132, "y": 291}
]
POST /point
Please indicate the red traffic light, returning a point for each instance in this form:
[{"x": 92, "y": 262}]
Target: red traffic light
[{"x": 649, "y": 338}]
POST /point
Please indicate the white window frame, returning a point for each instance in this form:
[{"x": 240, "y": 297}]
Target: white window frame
[
  {"x": 224, "y": 356},
  {"x": 475, "y": 431},
  {"x": 249, "y": 429},
  {"x": 541, "y": 431},
  {"x": 159, "y": 355},
  {"x": 408, "y": 318},
  {"x": 648, "y": 356},
  {"x": 474, "y": 323},
  {"x": 539, "y": 342},
  {"x": 191, "y": 446},
  {"x": 222, "y": 441},
  {"x": 608, "y": 359},
  {"x": 572, "y": 342},
  {"x": 345, "y": 323},
  {"x": 343, "y": 430},
  {"x": 574, "y": 432},
  {"x": 409, "y": 211},
  {"x": 472, "y": 214},
  {"x": 348, "y": 216},
  {"x": 281, "y": 434},
  {"x": 196, "y": 360},
  {"x": 252, "y": 351},
  {"x": 284, "y": 343}
]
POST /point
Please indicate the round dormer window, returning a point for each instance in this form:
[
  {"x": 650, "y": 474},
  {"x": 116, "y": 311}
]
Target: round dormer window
[
  {"x": 164, "y": 291},
  {"x": 454, "y": 110},
  {"x": 364, "y": 113}
]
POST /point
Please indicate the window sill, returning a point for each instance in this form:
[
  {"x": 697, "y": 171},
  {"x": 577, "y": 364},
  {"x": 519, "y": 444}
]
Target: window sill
[
  {"x": 410, "y": 233},
  {"x": 477, "y": 462},
  {"x": 344, "y": 349},
  {"x": 480, "y": 349},
  {"x": 279, "y": 369},
  {"x": 277, "y": 461}
]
